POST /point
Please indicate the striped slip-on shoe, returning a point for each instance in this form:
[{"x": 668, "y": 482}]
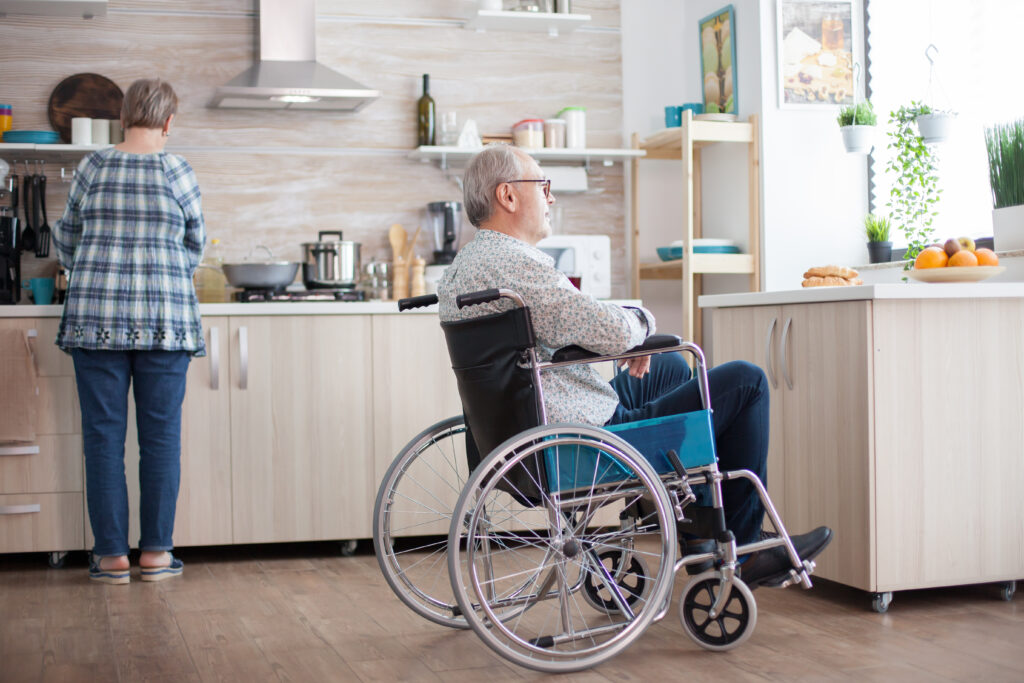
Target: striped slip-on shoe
[
  {"x": 113, "y": 576},
  {"x": 175, "y": 568}
]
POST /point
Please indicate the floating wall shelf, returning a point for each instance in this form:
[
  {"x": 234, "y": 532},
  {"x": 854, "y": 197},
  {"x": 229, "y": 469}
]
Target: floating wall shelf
[
  {"x": 526, "y": 22},
  {"x": 451, "y": 156}
]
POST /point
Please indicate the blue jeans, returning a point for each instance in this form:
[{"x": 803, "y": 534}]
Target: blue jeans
[
  {"x": 739, "y": 400},
  {"x": 158, "y": 380}
]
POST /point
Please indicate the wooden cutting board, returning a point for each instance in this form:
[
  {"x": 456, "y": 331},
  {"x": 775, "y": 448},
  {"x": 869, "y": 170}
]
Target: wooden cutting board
[{"x": 89, "y": 95}]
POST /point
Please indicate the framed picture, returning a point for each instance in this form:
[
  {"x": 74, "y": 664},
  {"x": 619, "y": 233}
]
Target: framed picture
[
  {"x": 718, "y": 61},
  {"x": 818, "y": 46}
]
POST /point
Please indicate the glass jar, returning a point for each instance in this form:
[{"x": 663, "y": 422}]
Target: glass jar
[{"x": 528, "y": 133}]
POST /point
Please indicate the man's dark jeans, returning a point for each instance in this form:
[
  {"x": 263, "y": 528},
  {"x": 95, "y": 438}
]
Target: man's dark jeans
[{"x": 739, "y": 400}]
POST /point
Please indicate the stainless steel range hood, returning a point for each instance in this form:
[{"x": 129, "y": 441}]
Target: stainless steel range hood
[{"x": 288, "y": 75}]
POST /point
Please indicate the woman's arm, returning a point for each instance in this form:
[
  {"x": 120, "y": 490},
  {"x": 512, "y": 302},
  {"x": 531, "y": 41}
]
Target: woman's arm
[{"x": 67, "y": 231}]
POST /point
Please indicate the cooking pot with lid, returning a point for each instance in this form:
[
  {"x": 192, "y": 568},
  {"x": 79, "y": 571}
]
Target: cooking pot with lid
[{"x": 330, "y": 263}]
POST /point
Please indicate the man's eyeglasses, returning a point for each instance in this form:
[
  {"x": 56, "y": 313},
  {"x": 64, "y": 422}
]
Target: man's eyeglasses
[{"x": 546, "y": 186}]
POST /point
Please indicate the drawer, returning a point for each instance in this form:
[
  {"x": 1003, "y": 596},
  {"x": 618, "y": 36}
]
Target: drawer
[
  {"x": 41, "y": 522},
  {"x": 56, "y": 467}
]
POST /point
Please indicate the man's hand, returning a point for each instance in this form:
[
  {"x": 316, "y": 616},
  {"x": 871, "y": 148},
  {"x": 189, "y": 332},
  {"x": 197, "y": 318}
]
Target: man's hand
[{"x": 638, "y": 367}]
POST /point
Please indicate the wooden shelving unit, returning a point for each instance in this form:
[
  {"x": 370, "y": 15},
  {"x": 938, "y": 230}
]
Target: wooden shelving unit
[{"x": 685, "y": 144}]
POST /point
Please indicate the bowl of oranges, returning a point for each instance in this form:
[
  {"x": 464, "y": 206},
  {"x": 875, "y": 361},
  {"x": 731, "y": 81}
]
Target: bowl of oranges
[{"x": 957, "y": 260}]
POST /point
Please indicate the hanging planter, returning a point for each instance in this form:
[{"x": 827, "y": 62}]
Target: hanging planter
[
  {"x": 857, "y": 125},
  {"x": 934, "y": 126}
]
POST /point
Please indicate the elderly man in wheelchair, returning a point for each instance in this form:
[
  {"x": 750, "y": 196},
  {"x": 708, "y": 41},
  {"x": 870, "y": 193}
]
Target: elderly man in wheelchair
[{"x": 578, "y": 499}]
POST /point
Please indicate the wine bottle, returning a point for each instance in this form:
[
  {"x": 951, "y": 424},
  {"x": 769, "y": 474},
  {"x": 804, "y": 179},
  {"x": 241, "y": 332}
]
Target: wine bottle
[{"x": 427, "y": 119}]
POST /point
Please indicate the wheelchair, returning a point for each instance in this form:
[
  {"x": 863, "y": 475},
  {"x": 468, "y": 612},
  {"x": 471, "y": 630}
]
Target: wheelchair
[{"x": 558, "y": 544}]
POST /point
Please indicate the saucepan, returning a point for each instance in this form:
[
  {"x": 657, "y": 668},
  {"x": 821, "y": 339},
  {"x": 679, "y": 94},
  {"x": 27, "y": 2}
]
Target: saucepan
[
  {"x": 269, "y": 274},
  {"x": 330, "y": 263}
]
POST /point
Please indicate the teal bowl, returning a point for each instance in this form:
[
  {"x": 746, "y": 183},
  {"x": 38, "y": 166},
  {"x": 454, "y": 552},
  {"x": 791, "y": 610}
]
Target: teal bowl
[{"x": 670, "y": 253}]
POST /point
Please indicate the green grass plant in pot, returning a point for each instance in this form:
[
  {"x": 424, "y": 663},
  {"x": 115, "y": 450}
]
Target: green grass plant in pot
[
  {"x": 877, "y": 230},
  {"x": 915, "y": 181},
  {"x": 1005, "y": 145},
  {"x": 857, "y": 124}
]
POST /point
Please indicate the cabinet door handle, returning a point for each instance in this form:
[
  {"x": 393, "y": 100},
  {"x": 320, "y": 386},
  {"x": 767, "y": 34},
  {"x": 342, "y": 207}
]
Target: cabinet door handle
[
  {"x": 768, "y": 354},
  {"x": 19, "y": 509},
  {"x": 785, "y": 351},
  {"x": 243, "y": 357},
  {"x": 214, "y": 358},
  {"x": 18, "y": 450}
]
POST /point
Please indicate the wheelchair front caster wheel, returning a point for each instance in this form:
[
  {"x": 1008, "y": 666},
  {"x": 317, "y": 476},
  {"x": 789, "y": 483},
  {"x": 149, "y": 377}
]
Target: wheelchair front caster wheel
[
  {"x": 348, "y": 548},
  {"x": 731, "y": 627},
  {"x": 56, "y": 559},
  {"x": 1007, "y": 589},
  {"x": 632, "y": 581},
  {"x": 880, "y": 602}
]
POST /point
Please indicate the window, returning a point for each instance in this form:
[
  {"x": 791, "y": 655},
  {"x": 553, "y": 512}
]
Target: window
[{"x": 976, "y": 75}]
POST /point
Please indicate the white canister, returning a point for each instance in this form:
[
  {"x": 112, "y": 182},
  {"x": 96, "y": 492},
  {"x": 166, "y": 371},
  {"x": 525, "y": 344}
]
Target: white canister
[
  {"x": 100, "y": 132},
  {"x": 116, "y": 134},
  {"x": 575, "y": 127},
  {"x": 81, "y": 131},
  {"x": 554, "y": 132}
]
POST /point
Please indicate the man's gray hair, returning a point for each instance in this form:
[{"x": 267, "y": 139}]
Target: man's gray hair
[{"x": 495, "y": 164}]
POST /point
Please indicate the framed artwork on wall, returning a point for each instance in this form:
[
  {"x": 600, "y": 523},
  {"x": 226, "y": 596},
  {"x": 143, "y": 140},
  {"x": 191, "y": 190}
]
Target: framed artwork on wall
[
  {"x": 718, "y": 61},
  {"x": 818, "y": 46}
]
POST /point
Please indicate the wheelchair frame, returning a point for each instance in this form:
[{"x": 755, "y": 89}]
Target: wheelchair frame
[{"x": 503, "y": 610}]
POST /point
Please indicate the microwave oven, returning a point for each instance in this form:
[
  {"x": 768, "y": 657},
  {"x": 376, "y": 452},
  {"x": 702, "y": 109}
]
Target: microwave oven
[{"x": 587, "y": 256}]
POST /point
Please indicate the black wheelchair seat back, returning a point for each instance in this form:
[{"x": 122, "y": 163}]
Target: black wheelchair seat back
[{"x": 499, "y": 399}]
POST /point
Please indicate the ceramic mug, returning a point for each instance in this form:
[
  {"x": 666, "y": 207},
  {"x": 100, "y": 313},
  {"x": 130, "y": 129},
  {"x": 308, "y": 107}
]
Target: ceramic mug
[
  {"x": 42, "y": 290},
  {"x": 81, "y": 131},
  {"x": 673, "y": 116}
]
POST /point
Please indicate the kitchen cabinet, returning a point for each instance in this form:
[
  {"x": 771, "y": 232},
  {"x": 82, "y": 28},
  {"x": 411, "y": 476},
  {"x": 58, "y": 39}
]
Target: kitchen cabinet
[
  {"x": 685, "y": 144},
  {"x": 898, "y": 423},
  {"x": 41, "y": 502},
  {"x": 301, "y": 421}
]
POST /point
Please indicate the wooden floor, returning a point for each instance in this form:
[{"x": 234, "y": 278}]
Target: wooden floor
[{"x": 303, "y": 613}]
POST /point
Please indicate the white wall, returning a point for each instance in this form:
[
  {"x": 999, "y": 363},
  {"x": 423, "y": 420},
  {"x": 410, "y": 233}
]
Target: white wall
[{"x": 813, "y": 194}]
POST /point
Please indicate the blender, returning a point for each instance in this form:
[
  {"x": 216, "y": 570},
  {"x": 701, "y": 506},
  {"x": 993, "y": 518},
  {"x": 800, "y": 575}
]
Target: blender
[{"x": 445, "y": 220}]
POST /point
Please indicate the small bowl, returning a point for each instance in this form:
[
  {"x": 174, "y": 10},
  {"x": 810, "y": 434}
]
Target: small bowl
[{"x": 670, "y": 253}]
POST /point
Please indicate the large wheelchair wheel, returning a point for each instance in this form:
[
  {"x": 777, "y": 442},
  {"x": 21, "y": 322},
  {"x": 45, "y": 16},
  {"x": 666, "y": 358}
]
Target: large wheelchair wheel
[
  {"x": 412, "y": 517},
  {"x": 520, "y": 543}
]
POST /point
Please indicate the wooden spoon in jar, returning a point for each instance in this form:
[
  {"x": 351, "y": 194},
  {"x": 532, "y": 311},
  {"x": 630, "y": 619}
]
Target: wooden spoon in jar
[{"x": 397, "y": 236}]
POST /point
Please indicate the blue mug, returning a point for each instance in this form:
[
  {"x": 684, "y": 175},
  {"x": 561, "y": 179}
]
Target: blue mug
[
  {"x": 673, "y": 116},
  {"x": 42, "y": 290},
  {"x": 695, "y": 107}
]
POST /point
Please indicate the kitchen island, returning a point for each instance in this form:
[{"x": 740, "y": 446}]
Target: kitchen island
[
  {"x": 289, "y": 423},
  {"x": 897, "y": 419}
]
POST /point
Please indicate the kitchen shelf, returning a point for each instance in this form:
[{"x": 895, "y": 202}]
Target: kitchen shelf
[
  {"x": 448, "y": 156},
  {"x": 685, "y": 144},
  {"x": 526, "y": 22},
  {"x": 19, "y": 151}
]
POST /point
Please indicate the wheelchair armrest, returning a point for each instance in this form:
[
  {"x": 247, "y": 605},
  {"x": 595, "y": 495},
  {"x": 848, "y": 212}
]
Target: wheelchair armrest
[
  {"x": 572, "y": 353},
  {"x": 417, "y": 302}
]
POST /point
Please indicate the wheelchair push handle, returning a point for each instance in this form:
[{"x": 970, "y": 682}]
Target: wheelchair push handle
[
  {"x": 474, "y": 298},
  {"x": 417, "y": 302}
]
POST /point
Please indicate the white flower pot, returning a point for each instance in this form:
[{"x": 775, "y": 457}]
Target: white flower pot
[
  {"x": 1008, "y": 228},
  {"x": 858, "y": 139},
  {"x": 935, "y": 127}
]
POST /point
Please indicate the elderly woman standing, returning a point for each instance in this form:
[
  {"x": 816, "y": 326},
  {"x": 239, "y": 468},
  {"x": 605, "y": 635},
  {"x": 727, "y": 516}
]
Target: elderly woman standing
[{"x": 131, "y": 237}]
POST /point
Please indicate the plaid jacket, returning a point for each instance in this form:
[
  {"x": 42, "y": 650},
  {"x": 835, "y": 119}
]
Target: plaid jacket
[{"x": 131, "y": 237}]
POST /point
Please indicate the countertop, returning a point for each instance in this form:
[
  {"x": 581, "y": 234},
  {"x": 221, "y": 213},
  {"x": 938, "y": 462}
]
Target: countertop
[
  {"x": 272, "y": 308},
  {"x": 914, "y": 290}
]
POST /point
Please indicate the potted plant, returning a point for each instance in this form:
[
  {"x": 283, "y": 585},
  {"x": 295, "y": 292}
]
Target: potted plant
[
  {"x": 877, "y": 230},
  {"x": 915, "y": 189},
  {"x": 1005, "y": 145},
  {"x": 857, "y": 124},
  {"x": 934, "y": 125}
]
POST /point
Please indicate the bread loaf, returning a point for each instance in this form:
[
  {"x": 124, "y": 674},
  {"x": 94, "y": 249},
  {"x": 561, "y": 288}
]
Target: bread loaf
[{"x": 832, "y": 271}]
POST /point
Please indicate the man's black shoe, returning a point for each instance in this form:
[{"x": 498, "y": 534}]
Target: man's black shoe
[{"x": 771, "y": 567}]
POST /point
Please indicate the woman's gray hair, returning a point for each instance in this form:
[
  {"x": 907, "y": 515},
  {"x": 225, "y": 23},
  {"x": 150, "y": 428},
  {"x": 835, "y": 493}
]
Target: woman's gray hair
[
  {"x": 148, "y": 103},
  {"x": 495, "y": 164}
]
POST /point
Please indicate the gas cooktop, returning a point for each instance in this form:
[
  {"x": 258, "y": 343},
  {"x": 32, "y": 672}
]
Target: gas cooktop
[{"x": 263, "y": 295}]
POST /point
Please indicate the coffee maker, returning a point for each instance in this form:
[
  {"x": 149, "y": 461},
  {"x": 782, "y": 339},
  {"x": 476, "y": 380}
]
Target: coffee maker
[
  {"x": 445, "y": 221},
  {"x": 10, "y": 259}
]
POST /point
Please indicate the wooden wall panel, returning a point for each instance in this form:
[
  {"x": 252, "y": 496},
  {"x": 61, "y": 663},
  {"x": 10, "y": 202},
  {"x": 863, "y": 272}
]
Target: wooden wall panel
[{"x": 277, "y": 177}]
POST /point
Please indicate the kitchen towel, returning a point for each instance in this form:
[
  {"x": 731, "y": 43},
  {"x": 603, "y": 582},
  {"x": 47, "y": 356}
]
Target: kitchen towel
[{"x": 20, "y": 398}]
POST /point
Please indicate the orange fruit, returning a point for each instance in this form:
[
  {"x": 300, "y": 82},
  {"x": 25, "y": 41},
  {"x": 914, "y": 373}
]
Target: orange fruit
[
  {"x": 963, "y": 258},
  {"x": 986, "y": 257},
  {"x": 931, "y": 257}
]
